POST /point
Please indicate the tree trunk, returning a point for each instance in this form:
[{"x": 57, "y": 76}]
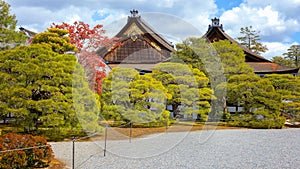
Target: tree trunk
[{"x": 175, "y": 110}]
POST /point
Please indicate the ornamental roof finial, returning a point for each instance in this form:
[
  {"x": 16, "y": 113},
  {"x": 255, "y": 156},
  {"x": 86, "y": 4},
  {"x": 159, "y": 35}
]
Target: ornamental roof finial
[{"x": 134, "y": 13}]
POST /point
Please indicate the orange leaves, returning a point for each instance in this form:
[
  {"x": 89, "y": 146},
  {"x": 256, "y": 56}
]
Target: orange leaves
[
  {"x": 24, "y": 151},
  {"x": 88, "y": 41},
  {"x": 81, "y": 34}
]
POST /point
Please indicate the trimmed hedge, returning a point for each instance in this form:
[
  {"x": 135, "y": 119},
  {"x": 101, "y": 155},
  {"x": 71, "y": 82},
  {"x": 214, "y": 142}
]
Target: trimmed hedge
[
  {"x": 20, "y": 157},
  {"x": 251, "y": 122}
]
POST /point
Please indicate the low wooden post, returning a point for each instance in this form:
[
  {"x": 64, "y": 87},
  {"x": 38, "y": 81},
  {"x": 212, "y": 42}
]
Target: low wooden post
[
  {"x": 105, "y": 139},
  {"x": 167, "y": 125},
  {"x": 73, "y": 153},
  {"x": 130, "y": 132}
]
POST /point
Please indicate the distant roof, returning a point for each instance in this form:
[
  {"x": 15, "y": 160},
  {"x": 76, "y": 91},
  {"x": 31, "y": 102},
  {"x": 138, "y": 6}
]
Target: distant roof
[
  {"x": 216, "y": 32},
  {"x": 260, "y": 65},
  {"x": 27, "y": 32}
]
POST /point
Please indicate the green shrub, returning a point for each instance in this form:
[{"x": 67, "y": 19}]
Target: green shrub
[
  {"x": 251, "y": 121},
  {"x": 277, "y": 123},
  {"x": 59, "y": 134},
  {"x": 20, "y": 157}
]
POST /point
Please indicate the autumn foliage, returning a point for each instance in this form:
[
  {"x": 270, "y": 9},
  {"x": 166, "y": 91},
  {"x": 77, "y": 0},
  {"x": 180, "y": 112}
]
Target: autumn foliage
[
  {"x": 15, "y": 151},
  {"x": 88, "y": 41}
]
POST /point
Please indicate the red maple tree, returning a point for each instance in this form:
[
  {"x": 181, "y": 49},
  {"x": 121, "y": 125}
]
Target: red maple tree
[{"x": 88, "y": 41}]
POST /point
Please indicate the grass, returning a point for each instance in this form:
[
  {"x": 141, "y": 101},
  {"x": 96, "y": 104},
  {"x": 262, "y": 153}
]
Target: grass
[{"x": 121, "y": 133}]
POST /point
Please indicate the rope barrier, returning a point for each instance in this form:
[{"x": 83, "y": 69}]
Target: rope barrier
[
  {"x": 20, "y": 149},
  {"x": 123, "y": 125},
  {"x": 129, "y": 124},
  {"x": 89, "y": 136},
  {"x": 86, "y": 160}
]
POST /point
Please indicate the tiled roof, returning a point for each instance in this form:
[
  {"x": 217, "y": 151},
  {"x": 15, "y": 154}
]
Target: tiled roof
[
  {"x": 146, "y": 30},
  {"x": 269, "y": 67},
  {"x": 137, "y": 38}
]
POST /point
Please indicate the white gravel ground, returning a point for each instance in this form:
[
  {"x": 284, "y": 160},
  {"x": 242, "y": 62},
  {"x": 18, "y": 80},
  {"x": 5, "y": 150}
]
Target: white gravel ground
[{"x": 276, "y": 149}]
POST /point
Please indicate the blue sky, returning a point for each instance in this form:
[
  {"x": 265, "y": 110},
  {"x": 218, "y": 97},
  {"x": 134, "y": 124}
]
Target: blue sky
[
  {"x": 277, "y": 21},
  {"x": 227, "y": 5}
]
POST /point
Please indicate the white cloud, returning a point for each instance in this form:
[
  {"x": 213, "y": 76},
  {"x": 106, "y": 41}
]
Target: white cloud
[
  {"x": 269, "y": 22},
  {"x": 276, "y": 49},
  {"x": 276, "y": 20},
  {"x": 287, "y": 8},
  {"x": 197, "y": 12}
]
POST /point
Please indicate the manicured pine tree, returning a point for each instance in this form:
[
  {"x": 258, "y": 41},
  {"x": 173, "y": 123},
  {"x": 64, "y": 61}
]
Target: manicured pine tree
[
  {"x": 261, "y": 103},
  {"x": 188, "y": 88},
  {"x": 132, "y": 97},
  {"x": 288, "y": 86},
  {"x": 37, "y": 85}
]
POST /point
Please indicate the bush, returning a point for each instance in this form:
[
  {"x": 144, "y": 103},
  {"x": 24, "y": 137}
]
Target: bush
[
  {"x": 277, "y": 123},
  {"x": 59, "y": 134},
  {"x": 21, "y": 157},
  {"x": 250, "y": 121}
]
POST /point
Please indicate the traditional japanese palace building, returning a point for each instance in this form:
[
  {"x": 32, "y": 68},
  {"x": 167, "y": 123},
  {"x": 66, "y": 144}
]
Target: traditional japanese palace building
[
  {"x": 140, "y": 47},
  {"x": 260, "y": 65}
]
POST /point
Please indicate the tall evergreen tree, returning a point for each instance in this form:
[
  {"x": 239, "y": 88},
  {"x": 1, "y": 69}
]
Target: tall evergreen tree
[
  {"x": 132, "y": 97},
  {"x": 202, "y": 55},
  {"x": 288, "y": 86},
  {"x": 250, "y": 39},
  {"x": 41, "y": 87},
  {"x": 56, "y": 39},
  {"x": 198, "y": 53},
  {"x": 9, "y": 37},
  {"x": 293, "y": 54},
  {"x": 188, "y": 88},
  {"x": 35, "y": 83},
  {"x": 261, "y": 103},
  {"x": 233, "y": 58}
]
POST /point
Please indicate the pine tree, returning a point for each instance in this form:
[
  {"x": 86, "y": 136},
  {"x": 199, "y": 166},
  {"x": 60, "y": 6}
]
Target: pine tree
[
  {"x": 293, "y": 54},
  {"x": 250, "y": 39},
  {"x": 233, "y": 58},
  {"x": 132, "y": 97},
  {"x": 288, "y": 86},
  {"x": 56, "y": 39},
  {"x": 42, "y": 87},
  {"x": 188, "y": 88},
  {"x": 35, "y": 84},
  {"x": 261, "y": 103},
  {"x": 9, "y": 37}
]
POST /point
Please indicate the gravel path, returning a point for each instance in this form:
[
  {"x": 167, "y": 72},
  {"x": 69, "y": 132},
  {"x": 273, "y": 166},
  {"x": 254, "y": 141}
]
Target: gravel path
[{"x": 199, "y": 149}]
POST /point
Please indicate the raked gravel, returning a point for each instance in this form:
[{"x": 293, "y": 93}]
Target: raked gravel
[{"x": 207, "y": 149}]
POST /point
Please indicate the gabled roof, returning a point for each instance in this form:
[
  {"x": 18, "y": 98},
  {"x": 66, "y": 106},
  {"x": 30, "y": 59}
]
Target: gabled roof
[
  {"x": 258, "y": 63},
  {"x": 139, "y": 41},
  {"x": 216, "y": 32},
  {"x": 136, "y": 24}
]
